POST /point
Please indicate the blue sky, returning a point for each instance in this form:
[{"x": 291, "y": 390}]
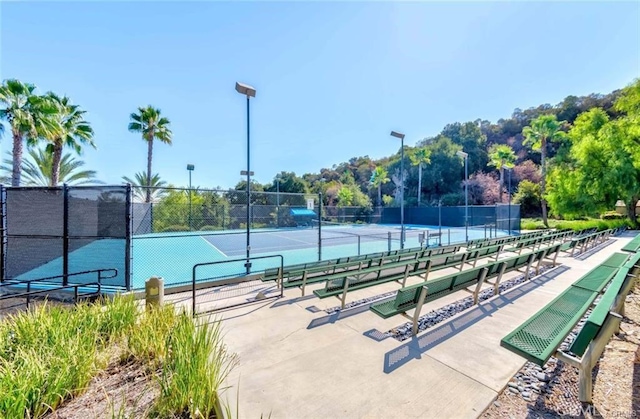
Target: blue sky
[{"x": 332, "y": 79}]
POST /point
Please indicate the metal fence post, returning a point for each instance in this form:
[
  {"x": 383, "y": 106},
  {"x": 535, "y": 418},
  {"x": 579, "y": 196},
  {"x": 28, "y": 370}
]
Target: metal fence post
[
  {"x": 320, "y": 226},
  {"x": 65, "y": 235},
  {"x": 2, "y": 233},
  {"x": 127, "y": 234}
]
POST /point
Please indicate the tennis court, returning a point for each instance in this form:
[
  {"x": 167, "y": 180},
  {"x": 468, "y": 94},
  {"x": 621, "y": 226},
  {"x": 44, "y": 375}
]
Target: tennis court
[
  {"x": 52, "y": 231},
  {"x": 172, "y": 255}
]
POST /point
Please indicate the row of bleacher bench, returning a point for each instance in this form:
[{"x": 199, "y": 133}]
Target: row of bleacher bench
[
  {"x": 603, "y": 289},
  {"x": 341, "y": 276}
]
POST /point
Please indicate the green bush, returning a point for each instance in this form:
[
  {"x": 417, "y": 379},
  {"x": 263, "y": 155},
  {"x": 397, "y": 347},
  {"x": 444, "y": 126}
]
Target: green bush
[
  {"x": 210, "y": 228},
  {"x": 594, "y": 223},
  {"x": 528, "y": 196},
  {"x": 612, "y": 215},
  {"x": 532, "y": 225},
  {"x": 452, "y": 199}
]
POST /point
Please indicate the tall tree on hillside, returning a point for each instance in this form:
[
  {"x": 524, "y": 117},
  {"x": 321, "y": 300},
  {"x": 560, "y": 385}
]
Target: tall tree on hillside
[
  {"x": 28, "y": 116},
  {"x": 152, "y": 126},
  {"x": 36, "y": 170},
  {"x": 501, "y": 156},
  {"x": 379, "y": 177},
  {"x": 543, "y": 129},
  {"x": 73, "y": 132},
  {"x": 418, "y": 157}
]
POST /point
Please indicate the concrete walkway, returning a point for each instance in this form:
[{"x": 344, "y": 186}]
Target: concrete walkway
[{"x": 296, "y": 361}]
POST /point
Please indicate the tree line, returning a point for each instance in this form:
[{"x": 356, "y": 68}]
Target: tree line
[{"x": 575, "y": 158}]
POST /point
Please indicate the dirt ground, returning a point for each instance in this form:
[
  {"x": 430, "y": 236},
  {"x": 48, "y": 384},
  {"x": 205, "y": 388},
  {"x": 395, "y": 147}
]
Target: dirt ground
[
  {"x": 121, "y": 391},
  {"x": 616, "y": 392}
]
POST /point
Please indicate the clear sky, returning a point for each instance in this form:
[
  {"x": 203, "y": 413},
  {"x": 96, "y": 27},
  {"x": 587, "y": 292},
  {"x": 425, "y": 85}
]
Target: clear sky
[{"x": 332, "y": 79}]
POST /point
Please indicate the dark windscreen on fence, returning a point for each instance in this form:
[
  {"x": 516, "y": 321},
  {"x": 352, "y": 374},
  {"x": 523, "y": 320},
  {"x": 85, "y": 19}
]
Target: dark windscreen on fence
[{"x": 56, "y": 231}]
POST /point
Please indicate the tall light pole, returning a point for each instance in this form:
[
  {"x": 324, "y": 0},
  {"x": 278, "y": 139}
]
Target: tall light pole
[
  {"x": 249, "y": 92},
  {"x": 190, "y": 168},
  {"x": 465, "y": 156},
  {"x": 401, "y": 136},
  {"x": 509, "y": 192},
  {"x": 278, "y": 200}
]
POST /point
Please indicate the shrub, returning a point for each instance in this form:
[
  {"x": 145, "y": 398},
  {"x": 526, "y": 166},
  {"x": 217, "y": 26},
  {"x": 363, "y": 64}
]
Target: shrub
[
  {"x": 528, "y": 196},
  {"x": 210, "y": 228},
  {"x": 452, "y": 199},
  {"x": 612, "y": 215}
]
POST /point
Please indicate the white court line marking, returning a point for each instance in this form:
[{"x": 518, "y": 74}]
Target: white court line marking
[
  {"x": 211, "y": 244},
  {"x": 290, "y": 238}
]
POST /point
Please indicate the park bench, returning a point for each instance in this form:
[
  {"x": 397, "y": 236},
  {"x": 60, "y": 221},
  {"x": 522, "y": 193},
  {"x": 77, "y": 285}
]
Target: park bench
[
  {"x": 314, "y": 272},
  {"x": 633, "y": 246},
  {"x": 584, "y": 240},
  {"x": 540, "y": 336},
  {"x": 414, "y": 296},
  {"x": 339, "y": 285}
]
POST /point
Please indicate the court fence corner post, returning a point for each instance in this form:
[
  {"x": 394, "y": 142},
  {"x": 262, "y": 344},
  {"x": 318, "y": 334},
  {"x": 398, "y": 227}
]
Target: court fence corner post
[
  {"x": 65, "y": 234},
  {"x": 319, "y": 226},
  {"x": 127, "y": 238},
  {"x": 154, "y": 292}
]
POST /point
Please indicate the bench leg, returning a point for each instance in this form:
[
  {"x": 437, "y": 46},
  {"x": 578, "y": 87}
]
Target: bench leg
[
  {"x": 407, "y": 269},
  {"x": 555, "y": 257},
  {"x": 526, "y": 273},
  {"x": 464, "y": 259},
  {"x": 476, "y": 293},
  {"x": 416, "y": 313},
  {"x": 427, "y": 270},
  {"x": 304, "y": 282},
  {"x": 344, "y": 293}
]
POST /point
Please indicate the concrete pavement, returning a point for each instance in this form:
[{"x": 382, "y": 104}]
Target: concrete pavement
[{"x": 296, "y": 361}]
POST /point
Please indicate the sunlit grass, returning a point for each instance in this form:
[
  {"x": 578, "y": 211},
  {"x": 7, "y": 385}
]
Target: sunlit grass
[
  {"x": 576, "y": 225},
  {"x": 51, "y": 353}
]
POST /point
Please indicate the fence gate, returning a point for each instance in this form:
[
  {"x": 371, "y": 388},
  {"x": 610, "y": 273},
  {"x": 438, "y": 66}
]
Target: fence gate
[{"x": 225, "y": 284}]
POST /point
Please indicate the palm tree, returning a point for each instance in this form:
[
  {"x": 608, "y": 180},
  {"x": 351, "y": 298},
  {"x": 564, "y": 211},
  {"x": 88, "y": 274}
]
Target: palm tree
[
  {"x": 418, "y": 157},
  {"x": 501, "y": 156},
  {"x": 543, "y": 129},
  {"x": 37, "y": 170},
  {"x": 73, "y": 131},
  {"x": 379, "y": 177},
  {"x": 140, "y": 188},
  {"x": 152, "y": 126},
  {"x": 28, "y": 116}
]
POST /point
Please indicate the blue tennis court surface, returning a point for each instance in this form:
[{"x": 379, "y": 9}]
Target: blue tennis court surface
[{"x": 173, "y": 255}]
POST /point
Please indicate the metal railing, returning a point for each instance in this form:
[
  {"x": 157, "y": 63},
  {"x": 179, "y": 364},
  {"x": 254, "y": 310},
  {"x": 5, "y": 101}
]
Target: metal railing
[
  {"x": 49, "y": 287},
  {"x": 230, "y": 280}
]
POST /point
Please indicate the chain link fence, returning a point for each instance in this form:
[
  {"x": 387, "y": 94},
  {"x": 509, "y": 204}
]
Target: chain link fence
[{"x": 56, "y": 232}]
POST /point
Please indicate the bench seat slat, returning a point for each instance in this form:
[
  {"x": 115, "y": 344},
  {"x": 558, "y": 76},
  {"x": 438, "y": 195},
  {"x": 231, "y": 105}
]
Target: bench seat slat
[{"x": 537, "y": 338}]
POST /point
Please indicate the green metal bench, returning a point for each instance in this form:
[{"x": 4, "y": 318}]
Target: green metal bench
[
  {"x": 601, "y": 324},
  {"x": 540, "y": 336},
  {"x": 633, "y": 246},
  {"x": 414, "y": 296},
  {"x": 537, "y": 339}
]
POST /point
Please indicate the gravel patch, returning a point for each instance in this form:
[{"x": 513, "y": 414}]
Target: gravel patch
[
  {"x": 553, "y": 389},
  {"x": 434, "y": 317}
]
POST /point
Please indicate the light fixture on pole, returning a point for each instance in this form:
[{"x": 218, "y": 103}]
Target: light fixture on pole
[
  {"x": 465, "y": 156},
  {"x": 249, "y": 92},
  {"x": 401, "y": 136},
  {"x": 190, "y": 168}
]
